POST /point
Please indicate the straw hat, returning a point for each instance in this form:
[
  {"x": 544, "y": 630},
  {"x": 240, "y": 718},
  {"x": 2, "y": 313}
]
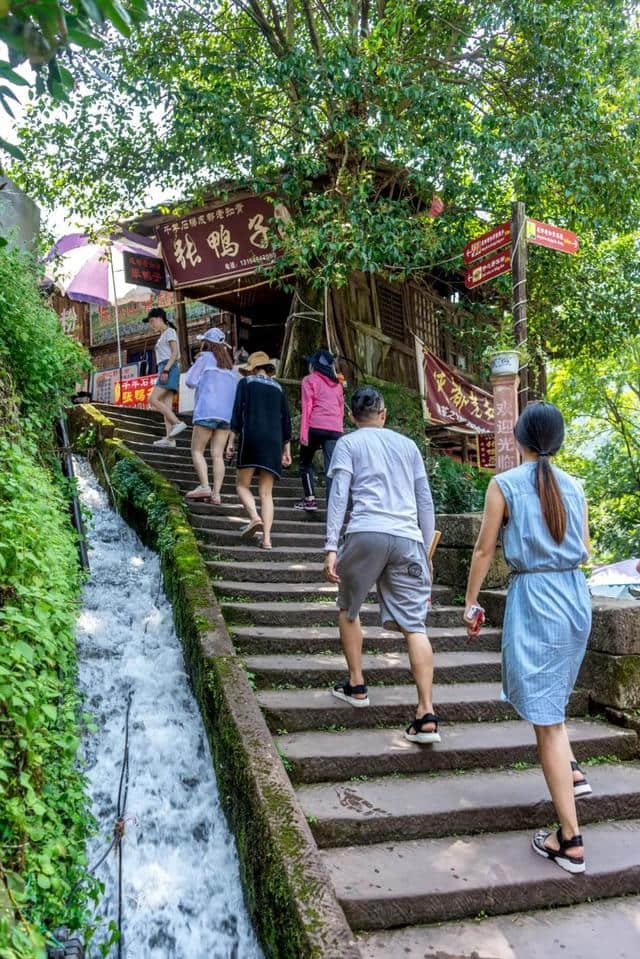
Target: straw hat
[{"x": 256, "y": 360}]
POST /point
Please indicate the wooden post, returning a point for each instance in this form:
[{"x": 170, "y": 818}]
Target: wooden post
[
  {"x": 519, "y": 293},
  {"x": 181, "y": 325}
]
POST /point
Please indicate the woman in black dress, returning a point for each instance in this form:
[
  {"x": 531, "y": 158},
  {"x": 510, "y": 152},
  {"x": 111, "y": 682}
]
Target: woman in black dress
[{"x": 261, "y": 425}]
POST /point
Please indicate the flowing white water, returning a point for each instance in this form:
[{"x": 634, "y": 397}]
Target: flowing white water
[{"x": 182, "y": 893}]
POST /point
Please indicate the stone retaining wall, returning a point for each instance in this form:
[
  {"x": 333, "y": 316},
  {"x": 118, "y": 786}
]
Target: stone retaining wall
[{"x": 288, "y": 891}]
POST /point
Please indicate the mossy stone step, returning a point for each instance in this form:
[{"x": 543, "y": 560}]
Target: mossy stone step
[
  {"x": 324, "y": 756},
  {"x": 291, "y": 592},
  {"x": 301, "y": 709},
  {"x": 319, "y": 614},
  {"x": 447, "y": 804},
  {"x": 433, "y": 880},
  {"x": 590, "y": 930},
  {"x": 236, "y": 553},
  {"x": 268, "y": 572},
  {"x": 236, "y": 523},
  {"x": 320, "y": 639},
  {"x": 379, "y": 668}
]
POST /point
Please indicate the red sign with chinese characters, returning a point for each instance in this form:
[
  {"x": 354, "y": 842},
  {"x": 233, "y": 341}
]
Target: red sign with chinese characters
[
  {"x": 553, "y": 237},
  {"x": 454, "y": 401},
  {"x": 144, "y": 270},
  {"x": 493, "y": 240},
  {"x": 488, "y": 270},
  {"x": 486, "y": 445},
  {"x": 136, "y": 391},
  {"x": 230, "y": 240}
]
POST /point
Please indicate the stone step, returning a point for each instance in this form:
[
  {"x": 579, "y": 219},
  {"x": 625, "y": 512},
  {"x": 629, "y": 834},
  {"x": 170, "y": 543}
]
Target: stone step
[
  {"x": 254, "y": 592},
  {"x": 300, "y": 709},
  {"x": 179, "y": 457},
  {"x": 292, "y": 555},
  {"x": 321, "y": 639},
  {"x": 232, "y": 506},
  {"x": 297, "y": 526},
  {"x": 423, "y": 806},
  {"x": 322, "y": 756},
  {"x": 379, "y": 669},
  {"x": 319, "y": 614},
  {"x": 296, "y": 592},
  {"x": 434, "y": 880},
  {"x": 589, "y": 930},
  {"x": 223, "y": 536},
  {"x": 269, "y": 572}
]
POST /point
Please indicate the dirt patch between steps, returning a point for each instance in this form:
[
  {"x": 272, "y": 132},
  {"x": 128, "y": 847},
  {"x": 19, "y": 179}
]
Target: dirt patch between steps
[{"x": 287, "y": 888}]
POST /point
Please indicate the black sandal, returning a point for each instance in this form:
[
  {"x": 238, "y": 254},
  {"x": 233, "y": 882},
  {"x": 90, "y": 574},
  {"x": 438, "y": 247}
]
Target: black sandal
[
  {"x": 581, "y": 788},
  {"x": 415, "y": 734},
  {"x": 348, "y": 693},
  {"x": 573, "y": 865}
]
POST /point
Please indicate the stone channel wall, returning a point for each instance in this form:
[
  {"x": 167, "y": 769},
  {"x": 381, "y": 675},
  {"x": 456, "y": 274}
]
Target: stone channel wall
[
  {"x": 611, "y": 668},
  {"x": 287, "y": 889}
]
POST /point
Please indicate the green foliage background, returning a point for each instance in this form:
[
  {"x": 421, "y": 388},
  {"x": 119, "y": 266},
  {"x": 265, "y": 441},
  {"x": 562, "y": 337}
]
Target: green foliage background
[
  {"x": 600, "y": 397},
  {"x": 44, "y": 816}
]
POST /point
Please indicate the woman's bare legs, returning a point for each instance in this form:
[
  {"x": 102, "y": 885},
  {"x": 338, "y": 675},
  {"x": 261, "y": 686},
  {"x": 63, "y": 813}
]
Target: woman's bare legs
[
  {"x": 265, "y": 486},
  {"x": 555, "y": 755},
  {"x": 161, "y": 401},
  {"x": 243, "y": 484},
  {"x": 200, "y": 437},
  {"x": 218, "y": 443}
]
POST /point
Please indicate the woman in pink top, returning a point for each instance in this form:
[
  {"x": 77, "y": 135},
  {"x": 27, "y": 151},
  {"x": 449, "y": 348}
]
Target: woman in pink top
[{"x": 322, "y": 422}]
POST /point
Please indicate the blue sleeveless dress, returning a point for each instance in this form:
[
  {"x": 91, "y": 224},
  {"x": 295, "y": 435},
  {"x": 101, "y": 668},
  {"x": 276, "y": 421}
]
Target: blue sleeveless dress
[{"x": 548, "y": 614}]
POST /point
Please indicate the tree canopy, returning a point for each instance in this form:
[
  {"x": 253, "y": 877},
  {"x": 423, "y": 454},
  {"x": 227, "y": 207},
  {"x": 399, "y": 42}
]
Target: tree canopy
[{"x": 357, "y": 113}]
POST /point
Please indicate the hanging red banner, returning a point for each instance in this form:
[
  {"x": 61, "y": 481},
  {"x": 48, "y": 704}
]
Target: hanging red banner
[
  {"x": 493, "y": 240},
  {"x": 454, "y": 401},
  {"x": 488, "y": 270},
  {"x": 553, "y": 237}
]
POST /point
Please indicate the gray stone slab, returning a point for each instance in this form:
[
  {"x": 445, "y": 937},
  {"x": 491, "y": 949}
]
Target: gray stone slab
[
  {"x": 421, "y": 806},
  {"x": 299, "y": 709},
  {"x": 321, "y": 614},
  {"x": 391, "y": 667},
  {"x": 616, "y": 626},
  {"x": 329, "y": 756},
  {"x": 319, "y": 639},
  {"x": 432, "y": 880},
  {"x": 603, "y": 930}
]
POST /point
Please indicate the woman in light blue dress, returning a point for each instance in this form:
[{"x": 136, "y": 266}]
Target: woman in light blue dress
[{"x": 541, "y": 513}]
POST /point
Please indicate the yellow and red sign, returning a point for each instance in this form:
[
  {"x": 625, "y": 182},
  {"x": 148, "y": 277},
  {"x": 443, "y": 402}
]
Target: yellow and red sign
[
  {"x": 488, "y": 242},
  {"x": 488, "y": 270},
  {"x": 136, "y": 391},
  {"x": 553, "y": 237}
]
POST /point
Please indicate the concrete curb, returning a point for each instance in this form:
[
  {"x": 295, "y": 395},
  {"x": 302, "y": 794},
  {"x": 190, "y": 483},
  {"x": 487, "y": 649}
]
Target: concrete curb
[{"x": 287, "y": 887}]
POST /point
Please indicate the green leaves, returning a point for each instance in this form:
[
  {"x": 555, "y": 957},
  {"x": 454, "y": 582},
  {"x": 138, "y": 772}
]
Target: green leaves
[{"x": 42, "y": 797}]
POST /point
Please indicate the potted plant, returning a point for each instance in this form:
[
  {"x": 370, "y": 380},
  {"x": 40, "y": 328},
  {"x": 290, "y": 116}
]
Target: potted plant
[{"x": 503, "y": 356}]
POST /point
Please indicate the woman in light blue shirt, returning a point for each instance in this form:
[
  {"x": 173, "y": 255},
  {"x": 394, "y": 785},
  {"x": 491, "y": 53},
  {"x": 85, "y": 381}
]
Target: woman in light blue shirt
[
  {"x": 541, "y": 513},
  {"x": 215, "y": 381}
]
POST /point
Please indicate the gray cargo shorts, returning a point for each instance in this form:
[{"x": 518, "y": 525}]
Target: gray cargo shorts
[{"x": 400, "y": 570}]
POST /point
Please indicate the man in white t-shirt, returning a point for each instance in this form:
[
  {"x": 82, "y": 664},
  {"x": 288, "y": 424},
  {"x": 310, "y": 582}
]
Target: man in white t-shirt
[{"x": 386, "y": 542}]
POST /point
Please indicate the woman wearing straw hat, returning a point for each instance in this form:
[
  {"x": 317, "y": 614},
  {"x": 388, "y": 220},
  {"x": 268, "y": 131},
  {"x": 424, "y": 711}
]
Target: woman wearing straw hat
[
  {"x": 215, "y": 381},
  {"x": 262, "y": 425}
]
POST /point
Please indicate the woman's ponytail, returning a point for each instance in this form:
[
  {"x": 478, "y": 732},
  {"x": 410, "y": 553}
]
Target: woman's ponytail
[
  {"x": 540, "y": 428},
  {"x": 551, "y": 502}
]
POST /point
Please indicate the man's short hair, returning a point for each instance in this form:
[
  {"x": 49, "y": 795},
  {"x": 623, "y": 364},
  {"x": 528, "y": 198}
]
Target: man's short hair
[{"x": 366, "y": 403}]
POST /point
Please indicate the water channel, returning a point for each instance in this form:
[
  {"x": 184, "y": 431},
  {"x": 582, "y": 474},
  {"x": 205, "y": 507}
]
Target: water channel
[{"x": 182, "y": 897}]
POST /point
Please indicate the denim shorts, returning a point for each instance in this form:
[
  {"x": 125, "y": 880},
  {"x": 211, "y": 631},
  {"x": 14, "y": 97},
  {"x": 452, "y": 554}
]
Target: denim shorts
[
  {"x": 212, "y": 424},
  {"x": 173, "y": 380}
]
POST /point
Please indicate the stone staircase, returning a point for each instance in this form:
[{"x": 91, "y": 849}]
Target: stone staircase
[{"x": 427, "y": 847}]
